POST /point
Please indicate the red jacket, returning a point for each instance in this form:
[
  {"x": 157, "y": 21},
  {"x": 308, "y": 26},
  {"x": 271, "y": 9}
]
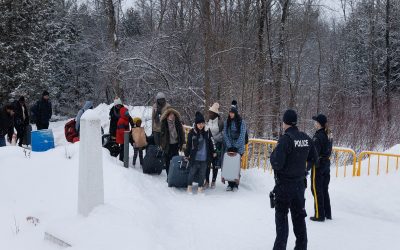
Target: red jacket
[{"x": 122, "y": 125}]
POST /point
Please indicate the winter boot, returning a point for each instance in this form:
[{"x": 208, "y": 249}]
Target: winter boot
[
  {"x": 229, "y": 189},
  {"x": 206, "y": 185},
  {"x": 189, "y": 190},
  {"x": 200, "y": 190},
  {"x": 213, "y": 185},
  {"x": 317, "y": 219}
]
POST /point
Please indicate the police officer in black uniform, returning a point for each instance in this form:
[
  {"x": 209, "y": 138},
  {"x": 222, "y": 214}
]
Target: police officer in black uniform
[
  {"x": 320, "y": 174},
  {"x": 289, "y": 161}
]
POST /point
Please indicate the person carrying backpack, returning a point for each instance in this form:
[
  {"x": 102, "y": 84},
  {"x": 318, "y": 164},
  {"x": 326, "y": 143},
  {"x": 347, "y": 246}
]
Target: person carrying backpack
[
  {"x": 114, "y": 117},
  {"x": 139, "y": 140}
]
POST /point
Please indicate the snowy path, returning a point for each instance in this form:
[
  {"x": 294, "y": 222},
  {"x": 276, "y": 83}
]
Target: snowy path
[{"x": 142, "y": 213}]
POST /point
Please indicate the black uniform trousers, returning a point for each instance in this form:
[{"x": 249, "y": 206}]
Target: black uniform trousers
[
  {"x": 290, "y": 195},
  {"x": 320, "y": 178}
]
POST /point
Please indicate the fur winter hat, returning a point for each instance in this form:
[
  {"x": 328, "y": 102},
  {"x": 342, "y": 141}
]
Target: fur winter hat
[
  {"x": 45, "y": 93},
  {"x": 199, "y": 118},
  {"x": 215, "y": 108}
]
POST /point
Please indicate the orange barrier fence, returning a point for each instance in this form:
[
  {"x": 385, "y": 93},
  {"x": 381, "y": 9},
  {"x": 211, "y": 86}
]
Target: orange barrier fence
[
  {"x": 378, "y": 159},
  {"x": 258, "y": 152}
]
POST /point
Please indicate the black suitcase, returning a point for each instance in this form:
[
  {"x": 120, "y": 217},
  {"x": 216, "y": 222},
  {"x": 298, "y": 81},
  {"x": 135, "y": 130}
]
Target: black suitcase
[
  {"x": 178, "y": 172},
  {"x": 153, "y": 162},
  {"x": 111, "y": 145}
]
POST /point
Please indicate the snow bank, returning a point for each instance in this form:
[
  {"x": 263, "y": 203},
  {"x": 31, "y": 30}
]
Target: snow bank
[{"x": 140, "y": 212}]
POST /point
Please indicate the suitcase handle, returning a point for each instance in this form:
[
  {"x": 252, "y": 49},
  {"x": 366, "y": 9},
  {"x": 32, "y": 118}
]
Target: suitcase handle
[{"x": 181, "y": 163}]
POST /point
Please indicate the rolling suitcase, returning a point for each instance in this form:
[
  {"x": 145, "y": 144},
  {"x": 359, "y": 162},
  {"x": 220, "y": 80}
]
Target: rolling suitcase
[
  {"x": 178, "y": 172},
  {"x": 231, "y": 167},
  {"x": 153, "y": 162}
]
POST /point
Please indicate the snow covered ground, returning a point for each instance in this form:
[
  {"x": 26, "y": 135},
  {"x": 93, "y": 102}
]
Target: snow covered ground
[{"x": 141, "y": 212}]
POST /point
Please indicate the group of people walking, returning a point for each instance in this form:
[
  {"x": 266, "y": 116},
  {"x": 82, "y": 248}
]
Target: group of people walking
[
  {"x": 16, "y": 116},
  {"x": 203, "y": 146}
]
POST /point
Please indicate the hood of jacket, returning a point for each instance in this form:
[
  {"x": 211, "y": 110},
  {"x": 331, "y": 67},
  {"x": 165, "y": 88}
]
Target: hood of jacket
[
  {"x": 88, "y": 105},
  {"x": 168, "y": 111}
]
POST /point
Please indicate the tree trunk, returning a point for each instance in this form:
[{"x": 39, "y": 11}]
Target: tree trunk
[
  {"x": 387, "y": 73},
  {"x": 261, "y": 71},
  {"x": 206, "y": 25},
  {"x": 279, "y": 70},
  {"x": 113, "y": 43}
]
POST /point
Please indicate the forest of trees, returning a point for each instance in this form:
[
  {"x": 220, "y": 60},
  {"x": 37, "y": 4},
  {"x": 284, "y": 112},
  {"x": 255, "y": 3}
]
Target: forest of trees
[{"x": 269, "y": 55}]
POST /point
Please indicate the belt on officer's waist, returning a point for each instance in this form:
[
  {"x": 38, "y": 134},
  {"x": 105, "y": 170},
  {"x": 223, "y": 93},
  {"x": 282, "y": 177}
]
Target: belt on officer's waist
[{"x": 286, "y": 179}]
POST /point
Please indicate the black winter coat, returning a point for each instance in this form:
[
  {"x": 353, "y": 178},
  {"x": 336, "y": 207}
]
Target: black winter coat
[
  {"x": 42, "y": 111},
  {"x": 18, "y": 116},
  {"x": 192, "y": 145},
  {"x": 293, "y": 151},
  {"x": 114, "y": 117},
  {"x": 323, "y": 146},
  {"x": 6, "y": 124}
]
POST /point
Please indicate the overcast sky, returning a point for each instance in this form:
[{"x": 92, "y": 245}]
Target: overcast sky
[{"x": 331, "y": 8}]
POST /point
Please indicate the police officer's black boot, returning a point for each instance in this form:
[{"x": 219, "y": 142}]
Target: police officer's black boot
[{"x": 321, "y": 219}]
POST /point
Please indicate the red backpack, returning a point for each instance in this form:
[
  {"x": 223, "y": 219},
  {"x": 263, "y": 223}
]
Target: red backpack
[{"x": 70, "y": 131}]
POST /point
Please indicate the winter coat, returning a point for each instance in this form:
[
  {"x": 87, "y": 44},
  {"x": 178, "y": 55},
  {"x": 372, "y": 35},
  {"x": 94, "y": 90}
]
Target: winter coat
[
  {"x": 323, "y": 146},
  {"x": 42, "y": 111},
  {"x": 216, "y": 128},
  {"x": 165, "y": 141},
  {"x": 122, "y": 125},
  {"x": 193, "y": 144},
  {"x": 233, "y": 138},
  {"x": 6, "y": 124},
  {"x": 114, "y": 117},
  {"x": 88, "y": 105},
  {"x": 20, "y": 110},
  {"x": 291, "y": 154},
  {"x": 156, "y": 116}
]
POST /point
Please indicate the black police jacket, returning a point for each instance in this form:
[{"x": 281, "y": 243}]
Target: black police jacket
[
  {"x": 293, "y": 155},
  {"x": 323, "y": 146}
]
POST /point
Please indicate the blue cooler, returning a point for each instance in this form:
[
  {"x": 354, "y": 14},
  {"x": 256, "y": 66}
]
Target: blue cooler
[{"x": 42, "y": 140}]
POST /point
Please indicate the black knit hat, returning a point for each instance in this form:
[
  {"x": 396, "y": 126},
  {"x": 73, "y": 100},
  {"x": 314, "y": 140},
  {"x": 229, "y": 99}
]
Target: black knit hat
[
  {"x": 199, "y": 118},
  {"x": 45, "y": 93},
  {"x": 321, "y": 119},
  {"x": 290, "y": 117},
  {"x": 21, "y": 99},
  {"x": 234, "y": 108}
]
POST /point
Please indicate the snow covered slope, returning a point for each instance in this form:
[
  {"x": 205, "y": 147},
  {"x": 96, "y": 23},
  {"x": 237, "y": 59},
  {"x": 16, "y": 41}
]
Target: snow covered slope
[{"x": 141, "y": 212}]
